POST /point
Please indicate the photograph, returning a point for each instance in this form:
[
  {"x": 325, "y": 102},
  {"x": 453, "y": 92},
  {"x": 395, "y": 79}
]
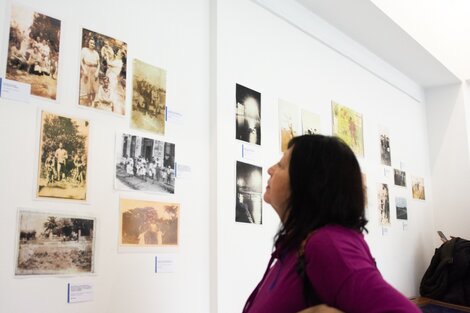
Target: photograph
[
  {"x": 248, "y": 204},
  {"x": 310, "y": 123},
  {"x": 63, "y": 155},
  {"x": 248, "y": 115},
  {"x": 402, "y": 211},
  {"x": 144, "y": 164},
  {"x": 383, "y": 204},
  {"x": 347, "y": 125},
  {"x": 364, "y": 189},
  {"x": 399, "y": 177},
  {"x": 148, "y": 223},
  {"x": 54, "y": 244},
  {"x": 148, "y": 97},
  {"x": 103, "y": 63},
  {"x": 417, "y": 188},
  {"x": 33, "y": 51},
  {"x": 288, "y": 122},
  {"x": 385, "y": 153}
]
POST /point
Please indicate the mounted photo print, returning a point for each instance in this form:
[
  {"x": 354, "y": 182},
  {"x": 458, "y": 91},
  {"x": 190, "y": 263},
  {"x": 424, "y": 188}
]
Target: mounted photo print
[
  {"x": 248, "y": 204},
  {"x": 54, "y": 244},
  {"x": 383, "y": 204},
  {"x": 385, "y": 153},
  {"x": 310, "y": 123},
  {"x": 148, "y": 97},
  {"x": 33, "y": 51},
  {"x": 148, "y": 223},
  {"x": 103, "y": 66},
  {"x": 417, "y": 188},
  {"x": 248, "y": 115},
  {"x": 288, "y": 122},
  {"x": 63, "y": 155},
  {"x": 399, "y": 178},
  {"x": 402, "y": 210},
  {"x": 144, "y": 164},
  {"x": 347, "y": 125}
]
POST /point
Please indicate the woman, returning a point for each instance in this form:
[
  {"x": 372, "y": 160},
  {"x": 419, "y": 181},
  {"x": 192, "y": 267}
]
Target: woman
[{"x": 320, "y": 254}]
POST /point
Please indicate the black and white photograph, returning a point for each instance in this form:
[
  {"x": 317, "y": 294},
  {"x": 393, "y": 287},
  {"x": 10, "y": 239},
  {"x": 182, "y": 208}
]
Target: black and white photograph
[
  {"x": 33, "y": 51},
  {"x": 248, "y": 203},
  {"x": 144, "y": 164},
  {"x": 148, "y": 223},
  {"x": 248, "y": 115},
  {"x": 383, "y": 204},
  {"x": 148, "y": 97},
  {"x": 103, "y": 67},
  {"x": 54, "y": 244},
  {"x": 399, "y": 178},
  {"x": 385, "y": 153},
  {"x": 63, "y": 156},
  {"x": 402, "y": 210}
]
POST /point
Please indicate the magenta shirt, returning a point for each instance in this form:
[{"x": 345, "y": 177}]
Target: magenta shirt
[{"x": 342, "y": 272}]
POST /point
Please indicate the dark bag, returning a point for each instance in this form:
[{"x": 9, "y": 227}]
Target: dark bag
[{"x": 448, "y": 276}]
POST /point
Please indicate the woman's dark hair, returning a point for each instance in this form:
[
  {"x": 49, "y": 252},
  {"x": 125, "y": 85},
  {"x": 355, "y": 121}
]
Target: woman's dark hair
[{"x": 326, "y": 188}]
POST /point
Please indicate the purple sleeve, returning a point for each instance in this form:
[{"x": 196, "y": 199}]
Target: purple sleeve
[{"x": 343, "y": 274}]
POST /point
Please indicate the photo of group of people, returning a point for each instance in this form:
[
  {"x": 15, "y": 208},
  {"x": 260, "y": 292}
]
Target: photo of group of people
[
  {"x": 385, "y": 153},
  {"x": 33, "y": 51}
]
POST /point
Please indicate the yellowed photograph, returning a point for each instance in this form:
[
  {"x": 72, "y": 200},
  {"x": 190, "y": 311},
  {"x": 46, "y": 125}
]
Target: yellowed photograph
[
  {"x": 288, "y": 122},
  {"x": 347, "y": 125},
  {"x": 63, "y": 155},
  {"x": 148, "y": 223},
  {"x": 417, "y": 188},
  {"x": 103, "y": 64},
  {"x": 33, "y": 51},
  {"x": 148, "y": 97},
  {"x": 310, "y": 123}
]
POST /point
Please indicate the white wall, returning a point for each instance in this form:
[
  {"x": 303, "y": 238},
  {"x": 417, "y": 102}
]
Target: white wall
[
  {"x": 160, "y": 33},
  {"x": 261, "y": 51}
]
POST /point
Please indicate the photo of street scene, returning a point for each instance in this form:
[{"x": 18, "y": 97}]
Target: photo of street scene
[
  {"x": 144, "y": 164},
  {"x": 248, "y": 204},
  {"x": 33, "y": 51},
  {"x": 62, "y": 170},
  {"x": 53, "y": 244}
]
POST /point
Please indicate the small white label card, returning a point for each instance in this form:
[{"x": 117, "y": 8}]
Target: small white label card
[
  {"x": 248, "y": 152},
  {"x": 182, "y": 170},
  {"x": 165, "y": 263},
  {"x": 387, "y": 171},
  {"x": 405, "y": 226},
  {"x": 173, "y": 117},
  {"x": 384, "y": 231},
  {"x": 79, "y": 292},
  {"x": 13, "y": 90}
]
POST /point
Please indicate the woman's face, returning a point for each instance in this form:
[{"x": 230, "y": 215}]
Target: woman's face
[{"x": 278, "y": 190}]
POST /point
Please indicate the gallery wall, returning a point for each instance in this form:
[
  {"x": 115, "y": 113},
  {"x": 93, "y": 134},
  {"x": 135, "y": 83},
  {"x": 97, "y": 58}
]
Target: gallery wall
[
  {"x": 262, "y": 52},
  {"x": 160, "y": 33}
]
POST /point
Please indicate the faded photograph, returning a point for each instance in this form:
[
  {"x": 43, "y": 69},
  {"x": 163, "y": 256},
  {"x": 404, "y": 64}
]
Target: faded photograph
[
  {"x": 248, "y": 204},
  {"x": 33, "y": 51},
  {"x": 248, "y": 115},
  {"x": 383, "y": 204},
  {"x": 103, "y": 63},
  {"x": 145, "y": 164},
  {"x": 399, "y": 177},
  {"x": 417, "y": 188},
  {"x": 52, "y": 244},
  {"x": 148, "y": 97},
  {"x": 385, "y": 153},
  {"x": 402, "y": 211},
  {"x": 347, "y": 125},
  {"x": 310, "y": 123},
  {"x": 148, "y": 223},
  {"x": 63, "y": 157},
  {"x": 288, "y": 122}
]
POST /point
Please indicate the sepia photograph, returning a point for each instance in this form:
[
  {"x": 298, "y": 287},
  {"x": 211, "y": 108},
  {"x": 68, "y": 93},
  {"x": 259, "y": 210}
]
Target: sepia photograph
[
  {"x": 402, "y": 210},
  {"x": 399, "y": 177},
  {"x": 144, "y": 164},
  {"x": 288, "y": 122},
  {"x": 103, "y": 64},
  {"x": 53, "y": 244},
  {"x": 248, "y": 115},
  {"x": 385, "y": 153},
  {"x": 417, "y": 188},
  {"x": 63, "y": 155},
  {"x": 383, "y": 204},
  {"x": 148, "y": 223},
  {"x": 33, "y": 51},
  {"x": 347, "y": 125},
  {"x": 248, "y": 204},
  {"x": 310, "y": 123},
  {"x": 148, "y": 97}
]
